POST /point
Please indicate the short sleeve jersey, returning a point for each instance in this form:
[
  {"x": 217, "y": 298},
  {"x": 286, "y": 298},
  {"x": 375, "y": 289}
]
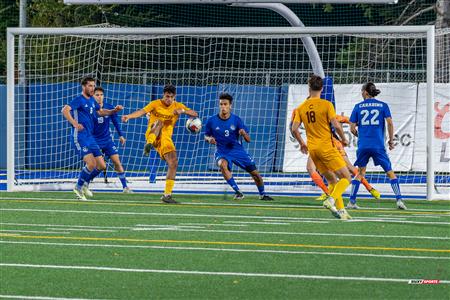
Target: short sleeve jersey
[
  {"x": 225, "y": 132},
  {"x": 370, "y": 116},
  {"x": 159, "y": 111},
  {"x": 315, "y": 114},
  {"x": 102, "y": 132},
  {"x": 84, "y": 112}
]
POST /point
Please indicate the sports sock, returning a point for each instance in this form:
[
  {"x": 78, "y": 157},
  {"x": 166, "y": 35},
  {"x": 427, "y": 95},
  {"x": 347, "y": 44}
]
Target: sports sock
[
  {"x": 233, "y": 184},
  {"x": 169, "y": 186},
  {"x": 84, "y": 176},
  {"x": 363, "y": 180},
  {"x": 94, "y": 174},
  {"x": 122, "y": 179},
  {"x": 396, "y": 188},
  {"x": 354, "y": 192},
  {"x": 151, "y": 138},
  {"x": 319, "y": 182},
  {"x": 339, "y": 189},
  {"x": 331, "y": 187},
  {"x": 261, "y": 190}
]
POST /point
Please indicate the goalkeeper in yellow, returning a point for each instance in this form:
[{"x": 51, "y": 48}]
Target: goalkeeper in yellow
[
  {"x": 316, "y": 114},
  {"x": 164, "y": 114}
]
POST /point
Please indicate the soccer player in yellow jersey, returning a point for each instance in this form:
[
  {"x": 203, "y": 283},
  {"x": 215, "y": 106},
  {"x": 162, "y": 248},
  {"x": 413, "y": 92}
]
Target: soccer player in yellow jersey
[
  {"x": 164, "y": 114},
  {"x": 316, "y": 114}
]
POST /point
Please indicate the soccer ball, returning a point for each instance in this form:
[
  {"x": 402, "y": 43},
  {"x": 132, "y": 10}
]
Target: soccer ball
[{"x": 194, "y": 125}]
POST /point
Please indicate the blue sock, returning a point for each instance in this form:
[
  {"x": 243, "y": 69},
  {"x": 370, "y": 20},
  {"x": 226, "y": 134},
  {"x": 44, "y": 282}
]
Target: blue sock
[
  {"x": 94, "y": 174},
  {"x": 122, "y": 179},
  {"x": 354, "y": 192},
  {"x": 396, "y": 188},
  {"x": 84, "y": 176},
  {"x": 233, "y": 184},
  {"x": 261, "y": 189}
]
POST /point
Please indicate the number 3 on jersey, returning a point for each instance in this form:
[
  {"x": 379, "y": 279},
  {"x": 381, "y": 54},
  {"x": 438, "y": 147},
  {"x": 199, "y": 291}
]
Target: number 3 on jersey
[{"x": 311, "y": 116}]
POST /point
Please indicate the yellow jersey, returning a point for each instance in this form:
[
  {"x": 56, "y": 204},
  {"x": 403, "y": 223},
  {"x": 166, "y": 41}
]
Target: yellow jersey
[
  {"x": 315, "y": 114},
  {"x": 159, "y": 111}
]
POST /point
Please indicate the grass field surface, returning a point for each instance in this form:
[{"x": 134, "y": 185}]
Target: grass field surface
[{"x": 119, "y": 246}]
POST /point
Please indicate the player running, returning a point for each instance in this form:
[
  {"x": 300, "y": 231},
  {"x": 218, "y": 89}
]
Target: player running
[
  {"x": 104, "y": 137},
  {"x": 370, "y": 116},
  {"x": 164, "y": 114},
  {"x": 224, "y": 130},
  {"x": 316, "y": 114},
  {"x": 80, "y": 113}
]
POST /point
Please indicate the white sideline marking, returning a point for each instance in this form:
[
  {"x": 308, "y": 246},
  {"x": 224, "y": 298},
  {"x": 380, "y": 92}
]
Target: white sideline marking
[
  {"x": 230, "y": 204},
  {"x": 258, "y": 223},
  {"x": 228, "y": 250},
  {"x": 68, "y": 225},
  {"x": 237, "y": 231},
  {"x": 397, "y": 221},
  {"x": 35, "y": 231},
  {"x": 40, "y": 297},
  {"x": 209, "y": 224},
  {"x": 83, "y": 229},
  {"x": 296, "y": 276}
]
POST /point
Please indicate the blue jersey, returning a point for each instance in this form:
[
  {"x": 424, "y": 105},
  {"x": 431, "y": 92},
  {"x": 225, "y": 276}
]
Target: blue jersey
[
  {"x": 102, "y": 132},
  {"x": 370, "y": 116},
  {"x": 225, "y": 132},
  {"x": 84, "y": 112}
]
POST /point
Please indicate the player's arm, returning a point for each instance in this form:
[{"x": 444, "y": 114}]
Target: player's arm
[
  {"x": 182, "y": 109},
  {"x": 245, "y": 135},
  {"x": 115, "y": 120},
  {"x": 296, "y": 133},
  {"x": 108, "y": 112},
  {"x": 390, "y": 126},
  {"x": 353, "y": 129},
  {"x": 134, "y": 115},
  {"x": 66, "y": 113},
  {"x": 337, "y": 125},
  {"x": 209, "y": 133},
  {"x": 354, "y": 121}
]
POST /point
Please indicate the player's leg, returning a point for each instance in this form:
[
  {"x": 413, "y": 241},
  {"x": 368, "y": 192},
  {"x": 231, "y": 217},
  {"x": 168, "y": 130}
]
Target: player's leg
[
  {"x": 152, "y": 136},
  {"x": 260, "y": 185},
  {"x": 317, "y": 179},
  {"x": 225, "y": 168},
  {"x": 362, "y": 159},
  {"x": 120, "y": 172},
  {"x": 84, "y": 176},
  {"x": 172, "y": 164},
  {"x": 354, "y": 171}
]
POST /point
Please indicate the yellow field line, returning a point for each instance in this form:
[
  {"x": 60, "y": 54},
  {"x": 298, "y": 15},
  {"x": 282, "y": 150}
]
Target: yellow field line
[
  {"x": 224, "y": 243},
  {"x": 184, "y": 205}
]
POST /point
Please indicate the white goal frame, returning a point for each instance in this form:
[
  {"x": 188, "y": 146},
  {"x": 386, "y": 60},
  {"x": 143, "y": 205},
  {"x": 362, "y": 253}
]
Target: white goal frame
[{"x": 12, "y": 33}]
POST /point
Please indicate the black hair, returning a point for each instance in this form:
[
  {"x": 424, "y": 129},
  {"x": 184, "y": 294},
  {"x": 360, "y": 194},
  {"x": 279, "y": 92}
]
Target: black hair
[
  {"x": 87, "y": 79},
  {"x": 169, "y": 88},
  {"x": 371, "y": 89},
  {"x": 315, "y": 83},
  {"x": 99, "y": 88},
  {"x": 226, "y": 96}
]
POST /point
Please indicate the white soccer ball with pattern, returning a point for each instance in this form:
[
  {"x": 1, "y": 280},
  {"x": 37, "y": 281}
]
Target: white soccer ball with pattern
[{"x": 194, "y": 125}]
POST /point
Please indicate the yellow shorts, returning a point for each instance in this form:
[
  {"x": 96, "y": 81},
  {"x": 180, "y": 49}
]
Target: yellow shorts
[
  {"x": 163, "y": 144},
  {"x": 328, "y": 159},
  {"x": 339, "y": 147}
]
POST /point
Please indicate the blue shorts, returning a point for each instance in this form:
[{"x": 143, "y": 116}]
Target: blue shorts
[
  {"x": 239, "y": 158},
  {"x": 379, "y": 156},
  {"x": 85, "y": 144},
  {"x": 109, "y": 148}
]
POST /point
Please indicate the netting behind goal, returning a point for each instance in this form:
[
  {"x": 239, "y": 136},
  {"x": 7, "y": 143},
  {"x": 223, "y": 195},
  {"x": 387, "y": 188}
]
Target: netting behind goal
[{"x": 265, "y": 74}]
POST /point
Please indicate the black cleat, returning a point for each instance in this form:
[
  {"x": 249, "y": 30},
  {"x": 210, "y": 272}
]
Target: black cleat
[
  {"x": 168, "y": 199},
  {"x": 238, "y": 196},
  {"x": 265, "y": 198},
  {"x": 147, "y": 149}
]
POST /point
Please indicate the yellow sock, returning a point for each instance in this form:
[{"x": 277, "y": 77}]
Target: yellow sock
[
  {"x": 151, "y": 138},
  {"x": 339, "y": 189},
  {"x": 331, "y": 187},
  {"x": 169, "y": 186}
]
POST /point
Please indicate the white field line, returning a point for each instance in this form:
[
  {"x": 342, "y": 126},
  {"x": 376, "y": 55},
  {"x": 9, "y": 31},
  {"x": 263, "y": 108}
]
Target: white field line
[
  {"x": 258, "y": 223},
  {"x": 68, "y": 225},
  {"x": 267, "y": 275},
  {"x": 82, "y": 229},
  {"x": 209, "y": 224},
  {"x": 201, "y": 229},
  {"x": 231, "y": 204},
  {"x": 34, "y": 231},
  {"x": 40, "y": 297},
  {"x": 397, "y": 221}
]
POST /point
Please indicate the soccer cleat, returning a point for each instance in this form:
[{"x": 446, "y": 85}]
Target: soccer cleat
[
  {"x": 264, "y": 198},
  {"x": 79, "y": 193},
  {"x": 168, "y": 199},
  {"x": 147, "y": 149},
  {"x": 322, "y": 197},
  {"x": 344, "y": 214},
  {"x": 401, "y": 205},
  {"x": 238, "y": 196},
  {"x": 127, "y": 190},
  {"x": 352, "y": 206},
  {"x": 376, "y": 194},
  {"x": 327, "y": 204},
  {"x": 86, "y": 191}
]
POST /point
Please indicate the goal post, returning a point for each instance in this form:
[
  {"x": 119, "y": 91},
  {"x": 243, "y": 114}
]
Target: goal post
[{"x": 120, "y": 58}]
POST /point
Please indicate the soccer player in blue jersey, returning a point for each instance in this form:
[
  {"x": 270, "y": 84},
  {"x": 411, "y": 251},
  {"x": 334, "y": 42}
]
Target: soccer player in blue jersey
[
  {"x": 224, "y": 130},
  {"x": 104, "y": 137},
  {"x": 80, "y": 113},
  {"x": 370, "y": 116}
]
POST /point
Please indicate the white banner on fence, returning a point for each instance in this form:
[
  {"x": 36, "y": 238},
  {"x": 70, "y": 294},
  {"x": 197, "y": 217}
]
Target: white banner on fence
[{"x": 406, "y": 111}]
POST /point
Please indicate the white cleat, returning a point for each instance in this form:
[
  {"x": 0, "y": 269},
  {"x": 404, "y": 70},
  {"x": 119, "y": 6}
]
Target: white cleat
[
  {"x": 79, "y": 193},
  {"x": 401, "y": 205},
  {"x": 127, "y": 190},
  {"x": 344, "y": 214},
  {"x": 352, "y": 206},
  {"x": 328, "y": 205},
  {"x": 86, "y": 191}
]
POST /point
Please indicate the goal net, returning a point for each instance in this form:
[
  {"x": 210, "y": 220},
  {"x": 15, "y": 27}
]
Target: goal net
[{"x": 265, "y": 70}]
